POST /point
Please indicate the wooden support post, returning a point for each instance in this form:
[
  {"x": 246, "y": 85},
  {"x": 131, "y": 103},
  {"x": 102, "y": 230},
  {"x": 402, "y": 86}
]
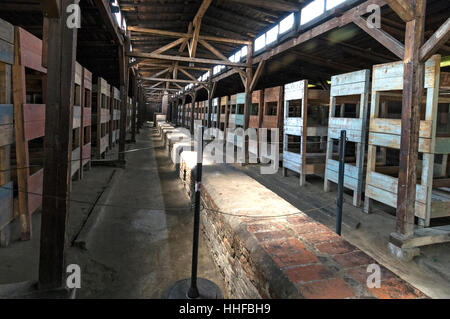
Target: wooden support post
[
  {"x": 248, "y": 99},
  {"x": 194, "y": 97},
  {"x": 211, "y": 90},
  {"x": 58, "y": 148},
  {"x": 133, "y": 110},
  {"x": 413, "y": 83},
  {"x": 183, "y": 115},
  {"x": 124, "y": 74}
]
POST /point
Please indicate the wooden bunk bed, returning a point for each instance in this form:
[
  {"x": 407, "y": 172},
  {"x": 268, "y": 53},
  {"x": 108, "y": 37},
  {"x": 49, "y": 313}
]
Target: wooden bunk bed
[
  {"x": 86, "y": 119},
  {"x": 273, "y": 114},
  {"x": 76, "y": 122},
  {"x": 433, "y": 184},
  {"x": 129, "y": 108},
  {"x": 214, "y": 112},
  {"x": 29, "y": 84},
  {"x": 223, "y": 115},
  {"x": 256, "y": 118},
  {"x": 305, "y": 129},
  {"x": 101, "y": 117},
  {"x": 6, "y": 130},
  {"x": 230, "y": 137},
  {"x": 115, "y": 116},
  {"x": 188, "y": 115},
  {"x": 348, "y": 111}
]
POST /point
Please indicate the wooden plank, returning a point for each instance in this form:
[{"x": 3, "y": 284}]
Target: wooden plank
[
  {"x": 433, "y": 44},
  {"x": 403, "y": 8},
  {"x": 413, "y": 83},
  {"x": 58, "y": 149}
]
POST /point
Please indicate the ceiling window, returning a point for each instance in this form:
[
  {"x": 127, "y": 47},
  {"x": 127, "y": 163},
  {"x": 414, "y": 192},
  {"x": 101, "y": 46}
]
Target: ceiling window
[
  {"x": 272, "y": 35},
  {"x": 311, "y": 11},
  {"x": 287, "y": 23},
  {"x": 260, "y": 42},
  {"x": 333, "y": 3},
  {"x": 244, "y": 51}
]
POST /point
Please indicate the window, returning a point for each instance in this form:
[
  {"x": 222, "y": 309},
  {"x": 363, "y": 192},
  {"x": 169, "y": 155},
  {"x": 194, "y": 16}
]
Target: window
[
  {"x": 311, "y": 11},
  {"x": 333, "y": 3},
  {"x": 244, "y": 51},
  {"x": 271, "y": 35},
  {"x": 287, "y": 23},
  {"x": 237, "y": 56},
  {"x": 260, "y": 42}
]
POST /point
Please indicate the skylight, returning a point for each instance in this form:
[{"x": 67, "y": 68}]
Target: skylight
[
  {"x": 260, "y": 42},
  {"x": 287, "y": 23},
  {"x": 333, "y": 3},
  {"x": 311, "y": 11},
  {"x": 271, "y": 35}
]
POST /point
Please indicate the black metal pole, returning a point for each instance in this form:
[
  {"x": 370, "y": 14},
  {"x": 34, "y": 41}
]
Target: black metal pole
[
  {"x": 193, "y": 290},
  {"x": 340, "y": 198}
]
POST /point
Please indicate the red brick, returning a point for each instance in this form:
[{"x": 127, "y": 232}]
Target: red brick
[
  {"x": 326, "y": 289},
  {"x": 263, "y": 227},
  {"x": 306, "y": 228},
  {"x": 336, "y": 247},
  {"x": 299, "y": 219},
  {"x": 396, "y": 289},
  {"x": 353, "y": 259},
  {"x": 272, "y": 235},
  {"x": 289, "y": 252},
  {"x": 360, "y": 274},
  {"x": 320, "y": 237},
  {"x": 308, "y": 273}
]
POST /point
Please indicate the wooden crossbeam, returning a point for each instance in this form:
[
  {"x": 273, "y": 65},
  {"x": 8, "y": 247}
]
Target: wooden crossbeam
[
  {"x": 272, "y": 5},
  {"x": 433, "y": 44},
  {"x": 169, "y": 46},
  {"x": 172, "y": 80},
  {"x": 185, "y": 35},
  {"x": 183, "y": 59},
  {"x": 196, "y": 23},
  {"x": 388, "y": 41},
  {"x": 257, "y": 75},
  {"x": 403, "y": 8}
]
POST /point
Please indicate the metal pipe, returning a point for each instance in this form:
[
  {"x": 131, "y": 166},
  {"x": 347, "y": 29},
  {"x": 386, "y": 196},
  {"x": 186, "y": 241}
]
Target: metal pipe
[{"x": 193, "y": 290}]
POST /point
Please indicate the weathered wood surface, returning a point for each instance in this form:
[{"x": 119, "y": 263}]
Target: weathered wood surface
[
  {"x": 298, "y": 125},
  {"x": 385, "y": 132}
]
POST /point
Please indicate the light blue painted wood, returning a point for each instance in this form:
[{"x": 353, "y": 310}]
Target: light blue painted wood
[{"x": 6, "y": 204}]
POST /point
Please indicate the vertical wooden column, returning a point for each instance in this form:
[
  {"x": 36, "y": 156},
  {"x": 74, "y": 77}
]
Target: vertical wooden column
[
  {"x": 62, "y": 44},
  {"x": 211, "y": 91},
  {"x": 133, "y": 110},
  {"x": 194, "y": 97},
  {"x": 124, "y": 74},
  {"x": 183, "y": 115},
  {"x": 413, "y": 83},
  {"x": 248, "y": 98}
]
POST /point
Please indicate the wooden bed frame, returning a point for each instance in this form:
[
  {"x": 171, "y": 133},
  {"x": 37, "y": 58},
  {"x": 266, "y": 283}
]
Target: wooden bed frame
[
  {"x": 86, "y": 119},
  {"x": 348, "y": 88},
  {"x": 29, "y": 124},
  {"x": 433, "y": 187},
  {"x": 214, "y": 112},
  {"x": 129, "y": 110},
  {"x": 101, "y": 116},
  {"x": 6, "y": 130},
  {"x": 310, "y": 159},
  {"x": 224, "y": 115},
  {"x": 76, "y": 122},
  {"x": 114, "y": 127},
  {"x": 256, "y": 119}
]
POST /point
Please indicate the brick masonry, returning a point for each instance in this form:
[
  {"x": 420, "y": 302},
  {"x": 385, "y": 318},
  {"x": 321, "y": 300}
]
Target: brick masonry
[{"x": 266, "y": 248}]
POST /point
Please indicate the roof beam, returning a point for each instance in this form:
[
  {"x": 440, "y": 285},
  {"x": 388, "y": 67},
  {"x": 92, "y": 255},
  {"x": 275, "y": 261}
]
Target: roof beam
[
  {"x": 185, "y": 35},
  {"x": 403, "y": 8},
  {"x": 387, "y": 40},
  {"x": 173, "y": 80},
  {"x": 271, "y": 5},
  {"x": 183, "y": 59},
  {"x": 433, "y": 44}
]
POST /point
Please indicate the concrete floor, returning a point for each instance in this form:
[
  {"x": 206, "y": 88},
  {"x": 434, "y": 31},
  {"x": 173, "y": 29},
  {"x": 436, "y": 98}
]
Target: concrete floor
[{"x": 142, "y": 240}]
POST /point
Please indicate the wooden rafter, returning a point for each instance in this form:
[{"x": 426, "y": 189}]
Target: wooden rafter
[
  {"x": 185, "y": 35},
  {"x": 433, "y": 44},
  {"x": 172, "y": 80},
  {"x": 196, "y": 23},
  {"x": 403, "y": 8},
  {"x": 388, "y": 41},
  {"x": 271, "y": 5},
  {"x": 183, "y": 59}
]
